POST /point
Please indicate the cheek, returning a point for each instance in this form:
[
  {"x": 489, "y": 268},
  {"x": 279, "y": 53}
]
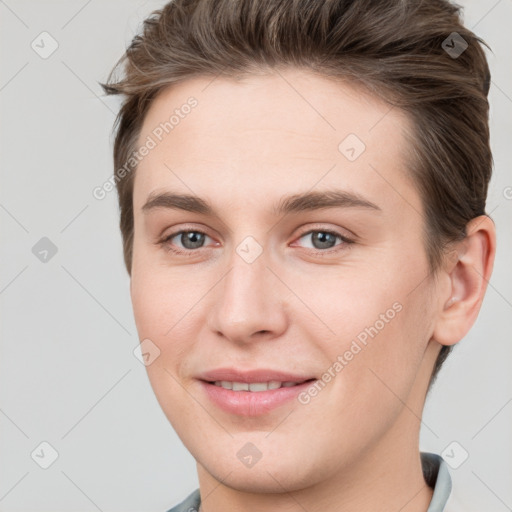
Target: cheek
[
  {"x": 148, "y": 308},
  {"x": 162, "y": 300},
  {"x": 343, "y": 305},
  {"x": 160, "y": 313},
  {"x": 372, "y": 333},
  {"x": 395, "y": 356},
  {"x": 167, "y": 308}
]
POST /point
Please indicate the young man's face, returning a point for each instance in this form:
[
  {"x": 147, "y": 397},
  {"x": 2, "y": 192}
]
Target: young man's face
[{"x": 341, "y": 291}]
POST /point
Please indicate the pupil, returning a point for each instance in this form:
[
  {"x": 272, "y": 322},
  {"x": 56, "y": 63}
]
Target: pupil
[
  {"x": 324, "y": 240},
  {"x": 192, "y": 239}
]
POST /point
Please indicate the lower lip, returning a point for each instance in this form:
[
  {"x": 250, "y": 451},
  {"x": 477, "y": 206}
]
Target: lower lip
[{"x": 252, "y": 403}]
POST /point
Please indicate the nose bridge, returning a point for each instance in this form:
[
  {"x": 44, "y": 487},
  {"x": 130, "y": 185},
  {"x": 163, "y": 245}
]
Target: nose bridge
[{"x": 247, "y": 299}]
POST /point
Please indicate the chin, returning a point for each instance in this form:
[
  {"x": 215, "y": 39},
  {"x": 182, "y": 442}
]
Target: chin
[{"x": 272, "y": 476}]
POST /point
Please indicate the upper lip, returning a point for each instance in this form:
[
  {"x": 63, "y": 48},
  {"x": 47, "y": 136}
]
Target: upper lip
[{"x": 249, "y": 376}]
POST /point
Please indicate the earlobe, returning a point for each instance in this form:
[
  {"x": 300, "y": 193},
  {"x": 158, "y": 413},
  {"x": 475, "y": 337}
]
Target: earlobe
[{"x": 468, "y": 278}]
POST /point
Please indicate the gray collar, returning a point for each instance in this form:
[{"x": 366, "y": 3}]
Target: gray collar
[{"x": 437, "y": 476}]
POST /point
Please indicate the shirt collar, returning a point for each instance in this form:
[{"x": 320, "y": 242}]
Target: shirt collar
[{"x": 437, "y": 476}]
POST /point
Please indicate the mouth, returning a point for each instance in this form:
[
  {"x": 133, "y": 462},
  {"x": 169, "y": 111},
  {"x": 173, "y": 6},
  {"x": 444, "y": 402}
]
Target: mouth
[
  {"x": 251, "y": 399},
  {"x": 257, "y": 387}
]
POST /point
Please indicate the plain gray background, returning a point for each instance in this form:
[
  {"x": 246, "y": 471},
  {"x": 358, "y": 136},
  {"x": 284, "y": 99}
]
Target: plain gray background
[{"x": 68, "y": 374}]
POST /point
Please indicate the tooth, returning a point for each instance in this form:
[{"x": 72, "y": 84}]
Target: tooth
[
  {"x": 258, "y": 386},
  {"x": 240, "y": 386},
  {"x": 254, "y": 386}
]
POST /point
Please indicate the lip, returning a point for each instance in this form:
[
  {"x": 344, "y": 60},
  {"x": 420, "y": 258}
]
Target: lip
[
  {"x": 248, "y": 403},
  {"x": 250, "y": 376}
]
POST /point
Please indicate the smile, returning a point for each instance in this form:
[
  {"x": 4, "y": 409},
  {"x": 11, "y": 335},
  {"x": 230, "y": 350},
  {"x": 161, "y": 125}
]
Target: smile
[
  {"x": 252, "y": 399},
  {"x": 255, "y": 386}
]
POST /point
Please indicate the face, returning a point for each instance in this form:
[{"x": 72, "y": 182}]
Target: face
[{"x": 302, "y": 261}]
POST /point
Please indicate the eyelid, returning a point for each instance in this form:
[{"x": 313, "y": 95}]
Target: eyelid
[
  {"x": 346, "y": 240},
  {"x": 172, "y": 232},
  {"x": 165, "y": 239},
  {"x": 343, "y": 233}
]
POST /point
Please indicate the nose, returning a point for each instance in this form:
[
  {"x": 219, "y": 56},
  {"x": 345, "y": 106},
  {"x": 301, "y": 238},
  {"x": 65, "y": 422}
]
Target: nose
[{"x": 249, "y": 303}]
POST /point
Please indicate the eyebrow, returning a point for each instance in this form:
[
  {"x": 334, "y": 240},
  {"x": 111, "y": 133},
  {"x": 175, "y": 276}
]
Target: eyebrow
[{"x": 296, "y": 203}]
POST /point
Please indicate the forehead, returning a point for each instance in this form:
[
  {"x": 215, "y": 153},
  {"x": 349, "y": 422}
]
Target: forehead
[{"x": 264, "y": 134}]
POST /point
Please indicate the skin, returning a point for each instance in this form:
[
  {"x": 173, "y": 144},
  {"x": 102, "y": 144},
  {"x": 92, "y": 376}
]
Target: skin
[{"x": 249, "y": 142}]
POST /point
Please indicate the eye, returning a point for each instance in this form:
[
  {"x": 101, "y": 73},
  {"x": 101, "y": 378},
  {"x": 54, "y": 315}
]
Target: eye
[
  {"x": 190, "y": 240},
  {"x": 323, "y": 239},
  {"x": 187, "y": 242}
]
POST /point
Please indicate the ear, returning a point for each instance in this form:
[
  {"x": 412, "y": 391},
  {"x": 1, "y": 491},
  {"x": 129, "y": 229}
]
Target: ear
[{"x": 468, "y": 275}]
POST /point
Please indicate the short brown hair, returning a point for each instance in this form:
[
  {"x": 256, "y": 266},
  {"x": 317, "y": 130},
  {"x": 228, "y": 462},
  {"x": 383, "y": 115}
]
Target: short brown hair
[{"x": 410, "y": 53}]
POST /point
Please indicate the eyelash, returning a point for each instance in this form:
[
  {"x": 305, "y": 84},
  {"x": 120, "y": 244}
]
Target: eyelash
[{"x": 318, "y": 252}]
